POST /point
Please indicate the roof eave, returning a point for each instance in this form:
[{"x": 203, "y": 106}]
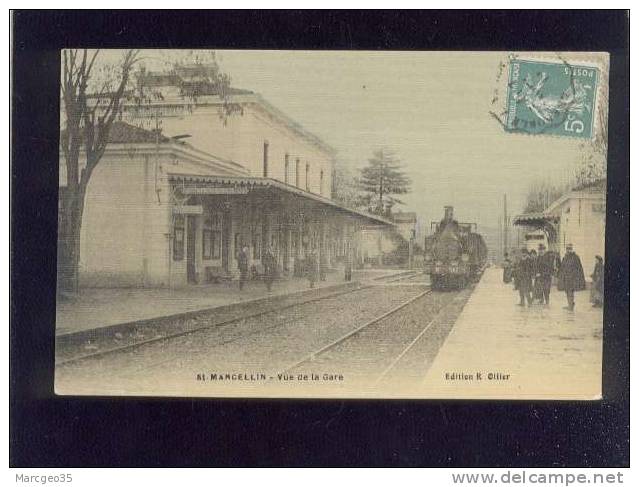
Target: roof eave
[{"x": 269, "y": 182}]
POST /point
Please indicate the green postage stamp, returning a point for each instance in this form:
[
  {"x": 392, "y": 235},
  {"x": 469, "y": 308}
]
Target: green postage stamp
[{"x": 553, "y": 98}]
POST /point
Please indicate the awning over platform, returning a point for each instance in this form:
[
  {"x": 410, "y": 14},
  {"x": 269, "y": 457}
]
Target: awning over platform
[
  {"x": 541, "y": 221},
  {"x": 535, "y": 219},
  {"x": 200, "y": 185}
]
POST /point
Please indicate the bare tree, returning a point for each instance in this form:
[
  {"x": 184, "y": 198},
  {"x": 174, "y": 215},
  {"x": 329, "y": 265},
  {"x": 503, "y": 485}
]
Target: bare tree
[
  {"x": 541, "y": 194},
  {"x": 93, "y": 95},
  {"x": 593, "y": 163},
  {"x": 88, "y": 121},
  {"x": 345, "y": 186}
]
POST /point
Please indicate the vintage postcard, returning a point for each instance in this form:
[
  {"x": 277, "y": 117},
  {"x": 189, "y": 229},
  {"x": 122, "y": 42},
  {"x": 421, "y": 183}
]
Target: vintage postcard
[{"x": 332, "y": 224}]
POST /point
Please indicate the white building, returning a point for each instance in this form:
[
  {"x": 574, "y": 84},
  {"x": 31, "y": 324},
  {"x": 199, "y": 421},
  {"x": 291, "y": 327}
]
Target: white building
[
  {"x": 405, "y": 223},
  {"x": 163, "y": 212},
  {"x": 577, "y": 217},
  {"x": 258, "y": 136},
  {"x": 581, "y": 218},
  {"x": 377, "y": 242}
]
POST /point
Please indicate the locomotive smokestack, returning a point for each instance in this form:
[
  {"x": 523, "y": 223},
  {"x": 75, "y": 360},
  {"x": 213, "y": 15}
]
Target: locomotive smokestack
[{"x": 448, "y": 213}]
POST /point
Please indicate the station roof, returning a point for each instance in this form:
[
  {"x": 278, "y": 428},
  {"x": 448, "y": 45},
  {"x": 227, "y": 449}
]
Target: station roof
[
  {"x": 537, "y": 219},
  {"x": 196, "y": 78},
  {"x": 125, "y": 133},
  {"x": 282, "y": 187}
]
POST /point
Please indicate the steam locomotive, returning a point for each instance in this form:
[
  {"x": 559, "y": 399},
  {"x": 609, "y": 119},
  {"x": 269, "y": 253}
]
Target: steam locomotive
[{"x": 455, "y": 254}]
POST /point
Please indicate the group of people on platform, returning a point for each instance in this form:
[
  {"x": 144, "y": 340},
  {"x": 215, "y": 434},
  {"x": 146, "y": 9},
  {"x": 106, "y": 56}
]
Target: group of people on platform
[
  {"x": 533, "y": 272},
  {"x": 313, "y": 270}
]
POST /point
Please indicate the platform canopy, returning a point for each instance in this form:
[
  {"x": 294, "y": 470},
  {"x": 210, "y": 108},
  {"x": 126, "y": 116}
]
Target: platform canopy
[
  {"x": 535, "y": 219},
  {"x": 541, "y": 221},
  {"x": 191, "y": 185}
]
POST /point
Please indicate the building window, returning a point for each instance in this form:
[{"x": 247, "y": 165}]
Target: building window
[
  {"x": 322, "y": 182},
  {"x": 286, "y": 168},
  {"x": 211, "y": 241},
  {"x": 178, "y": 237},
  {"x": 257, "y": 246},
  {"x": 308, "y": 168},
  {"x": 237, "y": 244},
  {"x": 297, "y": 172},
  {"x": 265, "y": 159},
  {"x": 207, "y": 241}
]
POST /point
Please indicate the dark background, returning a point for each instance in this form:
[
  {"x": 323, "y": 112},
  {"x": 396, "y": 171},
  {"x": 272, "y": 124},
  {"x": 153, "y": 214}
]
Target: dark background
[{"x": 50, "y": 431}]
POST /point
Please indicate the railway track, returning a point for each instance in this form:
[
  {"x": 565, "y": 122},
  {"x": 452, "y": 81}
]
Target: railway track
[
  {"x": 395, "y": 276},
  {"x": 313, "y": 355},
  {"x": 412, "y": 353},
  {"x": 387, "y": 331},
  {"x": 416, "y": 356},
  {"x": 138, "y": 343}
]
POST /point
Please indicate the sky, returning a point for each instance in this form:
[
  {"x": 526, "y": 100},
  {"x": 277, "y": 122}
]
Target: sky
[{"x": 431, "y": 108}]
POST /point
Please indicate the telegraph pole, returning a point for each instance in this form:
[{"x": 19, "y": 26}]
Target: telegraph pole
[{"x": 500, "y": 240}]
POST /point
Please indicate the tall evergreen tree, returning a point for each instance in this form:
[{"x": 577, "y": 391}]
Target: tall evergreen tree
[{"x": 381, "y": 181}]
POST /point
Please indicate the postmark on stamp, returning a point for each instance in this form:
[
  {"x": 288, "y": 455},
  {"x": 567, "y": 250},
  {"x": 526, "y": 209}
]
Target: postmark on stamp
[{"x": 553, "y": 98}]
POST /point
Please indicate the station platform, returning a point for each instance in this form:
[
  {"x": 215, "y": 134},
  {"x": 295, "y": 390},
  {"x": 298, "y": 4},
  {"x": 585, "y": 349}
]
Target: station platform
[
  {"x": 499, "y": 350},
  {"x": 94, "y": 308}
]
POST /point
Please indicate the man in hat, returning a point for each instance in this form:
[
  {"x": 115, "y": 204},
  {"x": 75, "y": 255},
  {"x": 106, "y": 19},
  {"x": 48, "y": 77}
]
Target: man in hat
[
  {"x": 523, "y": 278},
  {"x": 545, "y": 271},
  {"x": 242, "y": 264},
  {"x": 312, "y": 268},
  {"x": 323, "y": 265},
  {"x": 534, "y": 287},
  {"x": 507, "y": 274},
  {"x": 269, "y": 261},
  {"x": 571, "y": 276},
  {"x": 348, "y": 265}
]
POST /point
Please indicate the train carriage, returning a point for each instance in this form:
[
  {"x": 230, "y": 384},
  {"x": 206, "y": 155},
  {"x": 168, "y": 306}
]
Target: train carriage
[{"x": 455, "y": 254}]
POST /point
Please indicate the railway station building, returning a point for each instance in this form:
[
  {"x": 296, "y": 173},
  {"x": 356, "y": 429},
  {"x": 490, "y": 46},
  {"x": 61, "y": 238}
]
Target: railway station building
[
  {"x": 378, "y": 242},
  {"x": 577, "y": 217},
  {"x": 174, "y": 207}
]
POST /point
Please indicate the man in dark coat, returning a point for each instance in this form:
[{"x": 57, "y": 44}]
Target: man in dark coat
[
  {"x": 507, "y": 275},
  {"x": 513, "y": 270},
  {"x": 348, "y": 265},
  {"x": 323, "y": 266},
  {"x": 243, "y": 265},
  {"x": 311, "y": 268},
  {"x": 545, "y": 271},
  {"x": 571, "y": 276},
  {"x": 523, "y": 278},
  {"x": 270, "y": 267},
  {"x": 536, "y": 288}
]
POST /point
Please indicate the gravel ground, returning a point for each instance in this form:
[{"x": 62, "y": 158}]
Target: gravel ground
[{"x": 251, "y": 347}]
